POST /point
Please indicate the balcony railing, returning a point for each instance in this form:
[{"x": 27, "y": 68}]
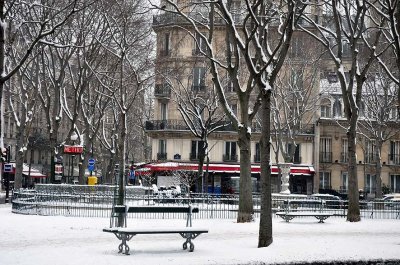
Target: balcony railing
[
  {"x": 344, "y": 157},
  {"x": 325, "y": 157},
  {"x": 226, "y": 126},
  {"x": 394, "y": 159},
  {"x": 174, "y": 19},
  {"x": 162, "y": 90},
  {"x": 230, "y": 158},
  {"x": 161, "y": 156}
]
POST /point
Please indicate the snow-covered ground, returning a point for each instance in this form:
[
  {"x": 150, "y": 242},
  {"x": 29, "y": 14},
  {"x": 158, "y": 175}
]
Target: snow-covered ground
[{"x": 48, "y": 240}]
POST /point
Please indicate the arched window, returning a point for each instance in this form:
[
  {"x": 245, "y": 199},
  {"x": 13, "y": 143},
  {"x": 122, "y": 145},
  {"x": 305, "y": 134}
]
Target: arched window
[{"x": 325, "y": 108}]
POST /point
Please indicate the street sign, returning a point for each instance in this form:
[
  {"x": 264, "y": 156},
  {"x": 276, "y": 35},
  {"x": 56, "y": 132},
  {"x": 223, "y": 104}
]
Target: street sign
[
  {"x": 8, "y": 167},
  {"x": 73, "y": 149},
  {"x": 91, "y": 167},
  {"x": 91, "y": 161}
]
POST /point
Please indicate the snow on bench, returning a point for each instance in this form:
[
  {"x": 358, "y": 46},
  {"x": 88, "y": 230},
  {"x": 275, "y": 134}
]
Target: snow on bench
[{"x": 287, "y": 216}]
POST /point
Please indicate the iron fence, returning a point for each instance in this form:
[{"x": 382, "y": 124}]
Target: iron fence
[{"x": 97, "y": 201}]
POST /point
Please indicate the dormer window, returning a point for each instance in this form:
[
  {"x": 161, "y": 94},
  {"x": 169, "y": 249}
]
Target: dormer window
[{"x": 332, "y": 77}]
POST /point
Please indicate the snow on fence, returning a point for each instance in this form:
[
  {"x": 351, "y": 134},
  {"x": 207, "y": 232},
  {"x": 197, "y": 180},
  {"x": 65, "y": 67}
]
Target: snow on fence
[{"x": 96, "y": 201}]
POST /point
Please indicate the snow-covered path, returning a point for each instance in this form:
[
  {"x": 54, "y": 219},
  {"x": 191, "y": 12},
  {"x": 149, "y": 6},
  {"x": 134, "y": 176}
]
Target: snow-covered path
[{"x": 68, "y": 240}]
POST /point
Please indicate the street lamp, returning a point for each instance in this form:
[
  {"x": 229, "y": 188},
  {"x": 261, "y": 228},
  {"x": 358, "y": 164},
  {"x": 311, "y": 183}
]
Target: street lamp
[{"x": 73, "y": 138}]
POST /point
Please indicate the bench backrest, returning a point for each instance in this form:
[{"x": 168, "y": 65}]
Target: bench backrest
[
  {"x": 123, "y": 210},
  {"x": 154, "y": 209}
]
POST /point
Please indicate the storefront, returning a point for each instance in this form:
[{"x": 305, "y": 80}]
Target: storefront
[{"x": 224, "y": 178}]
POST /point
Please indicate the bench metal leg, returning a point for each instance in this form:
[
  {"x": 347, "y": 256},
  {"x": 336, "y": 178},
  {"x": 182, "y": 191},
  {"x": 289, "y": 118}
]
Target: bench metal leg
[
  {"x": 124, "y": 238},
  {"x": 189, "y": 237}
]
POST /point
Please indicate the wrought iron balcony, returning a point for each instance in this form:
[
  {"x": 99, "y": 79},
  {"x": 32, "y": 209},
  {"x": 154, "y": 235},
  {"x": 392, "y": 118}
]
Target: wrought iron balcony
[
  {"x": 161, "y": 156},
  {"x": 167, "y": 19},
  {"x": 162, "y": 90},
  {"x": 230, "y": 158},
  {"x": 325, "y": 157}
]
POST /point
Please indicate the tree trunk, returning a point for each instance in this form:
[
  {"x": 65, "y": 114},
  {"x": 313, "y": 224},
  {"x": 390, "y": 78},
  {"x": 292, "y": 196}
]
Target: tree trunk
[
  {"x": 245, "y": 213},
  {"x": 19, "y": 158},
  {"x": 265, "y": 229},
  {"x": 378, "y": 169},
  {"x": 121, "y": 174},
  {"x": 353, "y": 213}
]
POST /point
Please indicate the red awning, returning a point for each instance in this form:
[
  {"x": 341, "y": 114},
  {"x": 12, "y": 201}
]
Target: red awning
[{"x": 226, "y": 168}]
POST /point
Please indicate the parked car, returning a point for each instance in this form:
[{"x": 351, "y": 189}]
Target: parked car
[
  {"x": 392, "y": 200},
  {"x": 331, "y": 201}
]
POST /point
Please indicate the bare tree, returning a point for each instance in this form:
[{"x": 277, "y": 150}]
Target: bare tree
[
  {"x": 129, "y": 47},
  {"x": 257, "y": 36},
  {"x": 295, "y": 98},
  {"x": 29, "y": 22},
  {"x": 379, "y": 121},
  {"x": 345, "y": 36}
]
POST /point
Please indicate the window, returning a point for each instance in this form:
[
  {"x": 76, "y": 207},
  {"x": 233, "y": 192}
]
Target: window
[
  {"x": 163, "y": 111},
  {"x": 296, "y": 155},
  {"x": 337, "y": 109},
  {"x": 296, "y": 79},
  {"x": 257, "y": 156},
  {"x": 196, "y": 149},
  {"x": 324, "y": 180},
  {"x": 162, "y": 150},
  {"x": 325, "y": 149},
  {"x": 165, "y": 48},
  {"x": 345, "y": 149},
  {"x": 230, "y": 151},
  {"x": 236, "y": 10},
  {"x": 393, "y": 113},
  {"x": 234, "y": 108},
  {"x": 344, "y": 182},
  {"x": 199, "y": 44},
  {"x": 370, "y": 183},
  {"x": 199, "y": 78},
  {"x": 325, "y": 108},
  {"x": 394, "y": 155},
  {"x": 296, "y": 46},
  {"x": 395, "y": 183},
  {"x": 363, "y": 110},
  {"x": 370, "y": 151}
]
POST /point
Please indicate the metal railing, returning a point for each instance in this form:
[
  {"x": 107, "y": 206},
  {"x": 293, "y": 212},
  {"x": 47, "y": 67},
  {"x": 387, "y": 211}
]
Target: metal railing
[{"x": 97, "y": 201}]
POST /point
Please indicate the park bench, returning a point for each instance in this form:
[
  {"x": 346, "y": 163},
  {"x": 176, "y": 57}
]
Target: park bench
[
  {"x": 287, "y": 216},
  {"x": 125, "y": 234},
  {"x": 315, "y": 205}
]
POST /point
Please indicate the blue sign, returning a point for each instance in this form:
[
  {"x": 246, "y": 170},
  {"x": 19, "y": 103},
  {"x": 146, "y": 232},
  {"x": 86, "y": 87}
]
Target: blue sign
[
  {"x": 91, "y": 167},
  {"x": 91, "y": 161},
  {"x": 8, "y": 167}
]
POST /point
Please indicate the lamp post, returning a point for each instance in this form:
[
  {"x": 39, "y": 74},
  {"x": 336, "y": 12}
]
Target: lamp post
[{"x": 73, "y": 138}]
